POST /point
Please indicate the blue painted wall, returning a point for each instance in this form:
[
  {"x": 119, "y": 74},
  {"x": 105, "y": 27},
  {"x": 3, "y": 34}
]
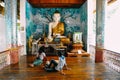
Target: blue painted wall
[
  {"x": 29, "y": 22},
  {"x": 75, "y": 20},
  {"x": 83, "y": 24}
]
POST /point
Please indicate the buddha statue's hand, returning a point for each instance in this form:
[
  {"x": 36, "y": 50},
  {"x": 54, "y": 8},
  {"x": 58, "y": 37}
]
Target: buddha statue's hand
[
  {"x": 56, "y": 35},
  {"x": 50, "y": 39}
]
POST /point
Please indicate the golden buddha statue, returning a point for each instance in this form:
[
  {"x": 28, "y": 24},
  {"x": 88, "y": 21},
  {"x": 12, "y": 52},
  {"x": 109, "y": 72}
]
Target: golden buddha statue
[{"x": 56, "y": 28}]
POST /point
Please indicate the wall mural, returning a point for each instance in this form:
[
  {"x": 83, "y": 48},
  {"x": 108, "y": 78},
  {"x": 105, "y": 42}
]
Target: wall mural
[
  {"x": 38, "y": 19},
  {"x": 29, "y": 25},
  {"x": 83, "y": 24}
]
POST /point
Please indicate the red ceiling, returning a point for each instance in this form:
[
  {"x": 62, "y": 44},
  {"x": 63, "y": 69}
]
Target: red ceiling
[{"x": 57, "y": 3}]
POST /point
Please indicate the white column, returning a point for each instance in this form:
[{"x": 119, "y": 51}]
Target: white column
[
  {"x": 90, "y": 23},
  {"x": 23, "y": 24}
]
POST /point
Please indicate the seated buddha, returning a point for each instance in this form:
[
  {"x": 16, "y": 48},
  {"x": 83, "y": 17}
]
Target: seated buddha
[{"x": 56, "y": 28}]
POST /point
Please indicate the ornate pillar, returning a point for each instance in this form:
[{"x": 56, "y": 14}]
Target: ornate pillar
[
  {"x": 14, "y": 23},
  {"x": 8, "y": 20},
  {"x": 11, "y": 29},
  {"x": 11, "y": 22},
  {"x": 100, "y": 24}
]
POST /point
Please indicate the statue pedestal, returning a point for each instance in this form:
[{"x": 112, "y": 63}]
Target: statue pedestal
[{"x": 77, "y": 46}]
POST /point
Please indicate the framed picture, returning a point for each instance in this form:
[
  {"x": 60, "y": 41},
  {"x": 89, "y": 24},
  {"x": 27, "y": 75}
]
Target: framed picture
[{"x": 77, "y": 37}]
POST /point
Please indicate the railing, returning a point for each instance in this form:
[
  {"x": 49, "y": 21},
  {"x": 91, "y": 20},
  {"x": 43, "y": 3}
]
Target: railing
[
  {"x": 112, "y": 59},
  {"x": 92, "y": 52},
  {"x": 4, "y": 58},
  {"x": 10, "y": 56}
]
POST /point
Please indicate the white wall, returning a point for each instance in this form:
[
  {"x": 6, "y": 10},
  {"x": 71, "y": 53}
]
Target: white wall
[
  {"x": 112, "y": 30},
  {"x": 3, "y": 45},
  {"x": 91, "y": 19}
]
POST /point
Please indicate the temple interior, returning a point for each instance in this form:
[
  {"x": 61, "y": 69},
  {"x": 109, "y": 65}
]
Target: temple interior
[{"x": 83, "y": 31}]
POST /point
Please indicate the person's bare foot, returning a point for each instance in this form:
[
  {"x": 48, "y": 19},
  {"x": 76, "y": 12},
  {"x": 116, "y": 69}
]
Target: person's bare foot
[
  {"x": 68, "y": 68},
  {"x": 31, "y": 65},
  {"x": 62, "y": 73}
]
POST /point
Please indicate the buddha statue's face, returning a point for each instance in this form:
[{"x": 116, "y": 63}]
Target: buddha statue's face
[{"x": 56, "y": 17}]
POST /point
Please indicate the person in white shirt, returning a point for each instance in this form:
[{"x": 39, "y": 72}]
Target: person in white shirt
[
  {"x": 39, "y": 58},
  {"x": 57, "y": 66}
]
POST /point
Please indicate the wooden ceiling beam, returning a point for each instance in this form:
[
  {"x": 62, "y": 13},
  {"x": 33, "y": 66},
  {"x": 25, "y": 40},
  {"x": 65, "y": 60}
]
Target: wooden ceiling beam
[{"x": 57, "y": 3}]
